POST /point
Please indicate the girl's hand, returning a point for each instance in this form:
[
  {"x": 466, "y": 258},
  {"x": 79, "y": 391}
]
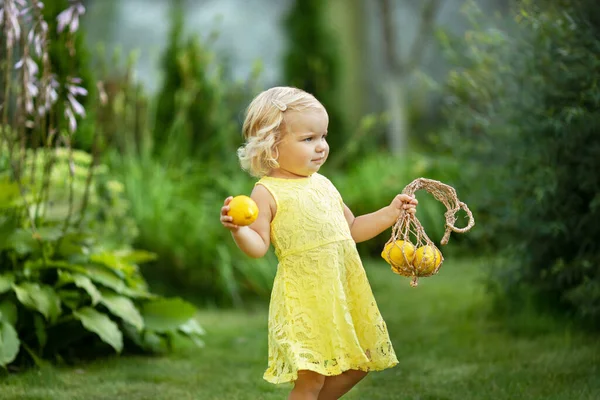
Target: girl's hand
[
  {"x": 226, "y": 220},
  {"x": 404, "y": 202}
]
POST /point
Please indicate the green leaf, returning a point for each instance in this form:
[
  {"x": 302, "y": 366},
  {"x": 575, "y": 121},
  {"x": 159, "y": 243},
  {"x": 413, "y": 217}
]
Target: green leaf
[
  {"x": 8, "y": 224},
  {"x": 137, "y": 256},
  {"x": 108, "y": 278},
  {"x": 39, "y": 362},
  {"x": 74, "y": 245},
  {"x": 55, "y": 264},
  {"x": 193, "y": 330},
  {"x": 9, "y": 343},
  {"x": 23, "y": 241},
  {"x": 101, "y": 325},
  {"x": 164, "y": 315},
  {"x": 50, "y": 233},
  {"x": 86, "y": 284},
  {"x": 8, "y": 309},
  {"x": 146, "y": 340},
  {"x": 6, "y": 281},
  {"x": 40, "y": 330},
  {"x": 71, "y": 298},
  {"x": 81, "y": 281},
  {"x": 124, "y": 308},
  {"x": 9, "y": 193},
  {"x": 39, "y": 297},
  {"x": 114, "y": 262},
  {"x": 192, "y": 327}
]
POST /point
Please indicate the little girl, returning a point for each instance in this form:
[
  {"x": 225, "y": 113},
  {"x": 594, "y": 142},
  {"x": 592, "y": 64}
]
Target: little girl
[{"x": 325, "y": 330}]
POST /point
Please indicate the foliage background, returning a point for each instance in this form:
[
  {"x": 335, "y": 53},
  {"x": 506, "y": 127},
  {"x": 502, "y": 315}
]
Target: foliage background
[{"x": 511, "y": 123}]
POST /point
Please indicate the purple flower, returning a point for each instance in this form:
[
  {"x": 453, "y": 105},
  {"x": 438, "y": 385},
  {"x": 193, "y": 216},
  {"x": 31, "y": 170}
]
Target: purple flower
[
  {"x": 31, "y": 67},
  {"x": 9, "y": 16},
  {"x": 70, "y": 17},
  {"x": 71, "y": 118},
  {"x": 76, "y": 106}
]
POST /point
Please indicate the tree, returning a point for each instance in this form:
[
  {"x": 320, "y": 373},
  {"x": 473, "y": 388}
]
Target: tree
[
  {"x": 311, "y": 61},
  {"x": 398, "y": 70}
]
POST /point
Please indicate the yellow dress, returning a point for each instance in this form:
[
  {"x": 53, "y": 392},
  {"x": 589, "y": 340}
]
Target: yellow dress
[{"x": 322, "y": 314}]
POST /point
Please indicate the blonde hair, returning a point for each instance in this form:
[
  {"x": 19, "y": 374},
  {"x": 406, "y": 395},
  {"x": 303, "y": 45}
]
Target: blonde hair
[{"x": 264, "y": 126}]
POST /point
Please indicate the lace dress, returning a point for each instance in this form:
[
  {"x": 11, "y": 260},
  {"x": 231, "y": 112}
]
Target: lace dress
[{"x": 322, "y": 315}]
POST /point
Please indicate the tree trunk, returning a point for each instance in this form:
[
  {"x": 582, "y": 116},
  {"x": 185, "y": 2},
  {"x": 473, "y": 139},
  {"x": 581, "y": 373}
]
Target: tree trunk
[{"x": 394, "y": 94}]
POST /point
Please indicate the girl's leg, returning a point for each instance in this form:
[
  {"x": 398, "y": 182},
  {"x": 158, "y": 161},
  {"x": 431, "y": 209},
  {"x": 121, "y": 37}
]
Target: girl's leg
[
  {"x": 307, "y": 386},
  {"x": 338, "y": 385}
]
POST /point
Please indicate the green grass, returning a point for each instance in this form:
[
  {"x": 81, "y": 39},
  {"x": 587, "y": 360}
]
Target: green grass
[{"x": 447, "y": 345}]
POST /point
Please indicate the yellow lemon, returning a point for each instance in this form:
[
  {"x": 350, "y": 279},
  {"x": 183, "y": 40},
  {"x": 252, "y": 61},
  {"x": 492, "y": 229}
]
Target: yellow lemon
[
  {"x": 427, "y": 259},
  {"x": 395, "y": 250},
  {"x": 243, "y": 210}
]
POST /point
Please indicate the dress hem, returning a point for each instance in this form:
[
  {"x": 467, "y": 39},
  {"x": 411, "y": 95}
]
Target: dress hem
[{"x": 291, "y": 377}]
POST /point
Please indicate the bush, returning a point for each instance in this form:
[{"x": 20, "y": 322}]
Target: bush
[
  {"x": 311, "y": 61},
  {"x": 524, "y": 108},
  {"x": 178, "y": 171},
  {"x": 196, "y": 108},
  {"x": 70, "y": 284},
  {"x": 68, "y": 271}
]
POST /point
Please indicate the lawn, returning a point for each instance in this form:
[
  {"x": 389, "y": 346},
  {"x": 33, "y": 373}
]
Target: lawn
[{"x": 447, "y": 345}]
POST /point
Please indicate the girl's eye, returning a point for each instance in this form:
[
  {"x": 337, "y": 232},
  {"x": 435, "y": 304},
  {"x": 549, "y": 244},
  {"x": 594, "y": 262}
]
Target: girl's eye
[{"x": 308, "y": 139}]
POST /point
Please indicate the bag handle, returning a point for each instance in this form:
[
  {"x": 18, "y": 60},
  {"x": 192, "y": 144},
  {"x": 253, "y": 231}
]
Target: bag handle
[{"x": 447, "y": 195}]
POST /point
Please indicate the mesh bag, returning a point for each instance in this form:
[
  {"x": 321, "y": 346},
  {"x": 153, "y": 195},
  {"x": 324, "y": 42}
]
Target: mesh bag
[{"x": 409, "y": 250}]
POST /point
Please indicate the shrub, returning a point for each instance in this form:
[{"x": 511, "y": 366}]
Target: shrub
[
  {"x": 523, "y": 106},
  {"x": 311, "y": 61},
  {"x": 68, "y": 270},
  {"x": 178, "y": 171},
  {"x": 69, "y": 278}
]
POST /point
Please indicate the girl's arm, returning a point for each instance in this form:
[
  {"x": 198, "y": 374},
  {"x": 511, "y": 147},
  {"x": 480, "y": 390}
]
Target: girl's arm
[
  {"x": 254, "y": 239},
  {"x": 368, "y": 226}
]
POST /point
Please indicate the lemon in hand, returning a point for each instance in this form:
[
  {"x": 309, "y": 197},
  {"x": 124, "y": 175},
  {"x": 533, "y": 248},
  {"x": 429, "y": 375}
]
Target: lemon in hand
[
  {"x": 243, "y": 210},
  {"x": 427, "y": 259},
  {"x": 393, "y": 253}
]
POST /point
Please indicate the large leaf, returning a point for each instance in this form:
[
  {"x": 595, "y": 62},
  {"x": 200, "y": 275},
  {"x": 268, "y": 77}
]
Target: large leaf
[
  {"x": 50, "y": 233},
  {"x": 74, "y": 245},
  {"x": 71, "y": 298},
  {"x": 136, "y": 256},
  {"x": 40, "y": 330},
  {"x": 101, "y": 325},
  {"x": 146, "y": 340},
  {"x": 8, "y": 309},
  {"x": 6, "y": 281},
  {"x": 108, "y": 278},
  {"x": 39, "y": 297},
  {"x": 23, "y": 241},
  {"x": 192, "y": 327},
  {"x": 124, "y": 308},
  {"x": 81, "y": 281},
  {"x": 86, "y": 284},
  {"x": 8, "y": 224},
  {"x": 54, "y": 264},
  {"x": 9, "y": 343},
  {"x": 9, "y": 193},
  {"x": 194, "y": 331},
  {"x": 114, "y": 262},
  {"x": 163, "y": 315}
]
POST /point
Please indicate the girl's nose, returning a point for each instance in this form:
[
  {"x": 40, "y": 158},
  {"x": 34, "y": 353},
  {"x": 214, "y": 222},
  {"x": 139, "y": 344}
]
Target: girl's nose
[{"x": 321, "y": 146}]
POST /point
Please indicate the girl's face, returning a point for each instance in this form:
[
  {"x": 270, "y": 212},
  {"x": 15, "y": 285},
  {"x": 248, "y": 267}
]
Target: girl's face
[{"x": 304, "y": 147}]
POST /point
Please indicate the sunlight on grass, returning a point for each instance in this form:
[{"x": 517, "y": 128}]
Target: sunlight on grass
[{"x": 448, "y": 347}]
